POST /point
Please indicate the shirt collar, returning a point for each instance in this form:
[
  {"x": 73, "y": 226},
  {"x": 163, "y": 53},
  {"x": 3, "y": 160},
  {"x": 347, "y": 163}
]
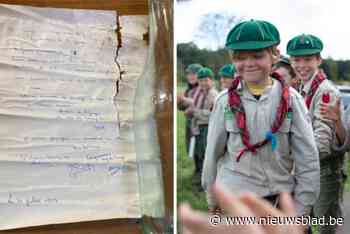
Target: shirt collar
[
  {"x": 244, "y": 92},
  {"x": 307, "y": 85}
]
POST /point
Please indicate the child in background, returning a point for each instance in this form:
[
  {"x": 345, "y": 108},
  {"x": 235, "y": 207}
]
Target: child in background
[
  {"x": 226, "y": 74},
  {"x": 284, "y": 68},
  {"x": 305, "y": 56},
  {"x": 341, "y": 118},
  {"x": 192, "y": 89},
  {"x": 199, "y": 109}
]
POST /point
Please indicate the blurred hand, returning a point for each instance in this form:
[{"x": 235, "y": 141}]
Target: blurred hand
[
  {"x": 244, "y": 206},
  {"x": 180, "y": 97},
  {"x": 330, "y": 112},
  {"x": 189, "y": 112}
]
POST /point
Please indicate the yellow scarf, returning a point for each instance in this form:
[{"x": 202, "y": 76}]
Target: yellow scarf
[{"x": 258, "y": 89}]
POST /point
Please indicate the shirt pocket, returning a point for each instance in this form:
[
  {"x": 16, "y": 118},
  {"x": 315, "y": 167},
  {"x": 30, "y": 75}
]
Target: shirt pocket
[
  {"x": 283, "y": 138},
  {"x": 234, "y": 146},
  {"x": 234, "y": 142},
  {"x": 231, "y": 125},
  {"x": 283, "y": 162}
]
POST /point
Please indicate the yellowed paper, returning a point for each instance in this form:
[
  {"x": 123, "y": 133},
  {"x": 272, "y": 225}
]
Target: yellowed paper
[{"x": 66, "y": 141}]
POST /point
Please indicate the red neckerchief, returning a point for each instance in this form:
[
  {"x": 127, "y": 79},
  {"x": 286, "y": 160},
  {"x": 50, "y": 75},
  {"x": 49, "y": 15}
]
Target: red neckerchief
[
  {"x": 236, "y": 107},
  {"x": 319, "y": 78},
  {"x": 190, "y": 88},
  {"x": 199, "y": 98}
]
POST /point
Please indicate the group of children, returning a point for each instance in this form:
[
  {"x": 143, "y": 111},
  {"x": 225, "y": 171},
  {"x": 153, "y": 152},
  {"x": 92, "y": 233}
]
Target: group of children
[
  {"x": 272, "y": 129},
  {"x": 197, "y": 102}
]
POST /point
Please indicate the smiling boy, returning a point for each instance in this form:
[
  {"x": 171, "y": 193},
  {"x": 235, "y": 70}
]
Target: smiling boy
[
  {"x": 255, "y": 125},
  {"x": 304, "y": 51}
]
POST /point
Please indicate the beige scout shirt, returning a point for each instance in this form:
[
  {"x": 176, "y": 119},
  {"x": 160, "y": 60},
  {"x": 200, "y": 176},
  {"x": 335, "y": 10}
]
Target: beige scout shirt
[
  {"x": 202, "y": 112},
  {"x": 267, "y": 172},
  {"x": 324, "y": 130},
  {"x": 183, "y": 105}
]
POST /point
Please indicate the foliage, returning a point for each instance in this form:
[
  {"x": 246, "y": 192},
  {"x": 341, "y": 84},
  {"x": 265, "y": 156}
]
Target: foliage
[{"x": 187, "y": 53}]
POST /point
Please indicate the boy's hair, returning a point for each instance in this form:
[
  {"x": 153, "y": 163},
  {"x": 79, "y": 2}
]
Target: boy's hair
[
  {"x": 286, "y": 66},
  {"x": 272, "y": 50},
  {"x": 317, "y": 55}
]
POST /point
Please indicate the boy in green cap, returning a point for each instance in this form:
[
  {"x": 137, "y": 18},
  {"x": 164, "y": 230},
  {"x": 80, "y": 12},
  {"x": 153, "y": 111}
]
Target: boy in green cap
[
  {"x": 305, "y": 55},
  {"x": 259, "y": 127},
  {"x": 190, "y": 92},
  {"x": 198, "y": 109},
  {"x": 341, "y": 117},
  {"x": 226, "y": 74},
  {"x": 285, "y": 69}
]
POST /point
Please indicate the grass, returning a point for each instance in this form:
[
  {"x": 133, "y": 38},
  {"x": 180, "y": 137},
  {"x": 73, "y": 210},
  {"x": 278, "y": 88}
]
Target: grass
[
  {"x": 347, "y": 183},
  {"x": 185, "y": 169}
]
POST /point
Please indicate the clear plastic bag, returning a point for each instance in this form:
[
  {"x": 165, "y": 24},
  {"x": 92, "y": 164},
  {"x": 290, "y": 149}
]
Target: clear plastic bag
[{"x": 153, "y": 121}]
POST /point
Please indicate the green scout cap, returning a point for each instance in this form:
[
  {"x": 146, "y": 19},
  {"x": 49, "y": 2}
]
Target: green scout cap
[
  {"x": 252, "y": 35},
  {"x": 305, "y": 44},
  {"x": 193, "y": 68},
  {"x": 227, "y": 71},
  {"x": 204, "y": 73}
]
